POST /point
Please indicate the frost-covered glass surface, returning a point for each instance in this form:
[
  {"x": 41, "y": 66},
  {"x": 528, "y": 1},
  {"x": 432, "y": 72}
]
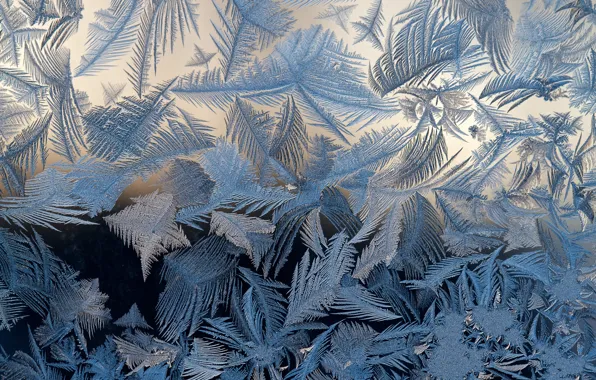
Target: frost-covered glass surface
[{"x": 297, "y": 189}]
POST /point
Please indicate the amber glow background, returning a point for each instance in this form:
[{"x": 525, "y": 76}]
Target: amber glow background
[{"x": 175, "y": 64}]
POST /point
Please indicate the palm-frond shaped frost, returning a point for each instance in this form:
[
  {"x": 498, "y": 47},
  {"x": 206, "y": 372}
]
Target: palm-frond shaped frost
[
  {"x": 124, "y": 130},
  {"x": 239, "y": 229},
  {"x": 148, "y": 226},
  {"x": 110, "y": 36},
  {"x": 370, "y": 27},
  {"x": 15, "y": 32},
  {"x": 492, "y": 24},
  {"x": 323, "y": 76},
  {"x": 46, "y": 202},
  {"x": 583, "y": 87},
  {"x": 339, "y": 14},
  {"x": 425, "y": 46},
  {"x": 161, "y": 24},
  {"x": 246, "y": 27}
]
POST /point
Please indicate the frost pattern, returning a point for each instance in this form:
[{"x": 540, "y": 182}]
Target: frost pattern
[{"x": 324, "y": 189}]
